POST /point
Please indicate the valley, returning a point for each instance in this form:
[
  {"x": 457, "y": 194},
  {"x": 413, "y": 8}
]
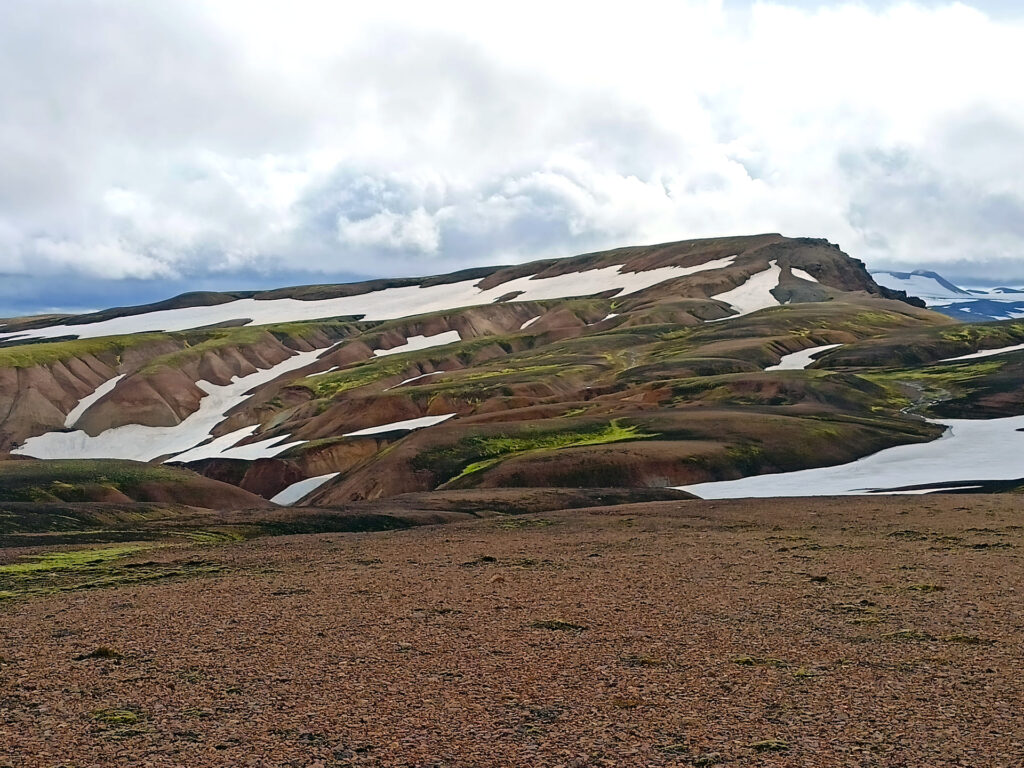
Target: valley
[{"x": 530, "y": 494}]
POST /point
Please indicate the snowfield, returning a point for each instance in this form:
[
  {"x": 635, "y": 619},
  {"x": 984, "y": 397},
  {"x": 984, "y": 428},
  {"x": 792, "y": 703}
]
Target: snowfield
[
  {"x": 297, "y": 491},
  {"x": 87, "y": 402},
  {"x": 934, "y": 289},
  {"x": 142, "y": 443},
  {"x": 387, "y": 304},
  {"x": 754, "y": 294},
  {"x": 797, "y": 361},
  {"x": 970, "y": 451}
]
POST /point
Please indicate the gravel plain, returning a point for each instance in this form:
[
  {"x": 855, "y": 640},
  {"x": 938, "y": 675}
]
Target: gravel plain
[{"x": 796, "y": 632}]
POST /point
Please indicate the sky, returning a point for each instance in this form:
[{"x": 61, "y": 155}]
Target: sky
[{"x": 152, "y": 148}]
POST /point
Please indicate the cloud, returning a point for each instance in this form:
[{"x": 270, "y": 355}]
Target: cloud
[{"x": 191, "y": 141}]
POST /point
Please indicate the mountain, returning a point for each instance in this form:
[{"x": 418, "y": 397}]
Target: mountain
[
  {"x": 676, "y": 365},
  {"x": 967, "y": 304}
]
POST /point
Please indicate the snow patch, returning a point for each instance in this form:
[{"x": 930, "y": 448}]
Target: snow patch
[
  {"x": 970, "y": 451},
  {"x": 87, "y": 402},
  {"x": 414, "y": 378},
  {"x": 529, "y": 322},
  {"x": 803, "y": 275},
  {"x": 322, "y": 373},
  {"x": 395, "y": 426},
  {"x": 798, "y": 361},
  {"x": 297, "y": 491},
  {"x": 225, "y": 447},
  {"x": 416, "y": 343},
  {"x": 754, "y": 294},
  {"x": 984, "y": 353}
]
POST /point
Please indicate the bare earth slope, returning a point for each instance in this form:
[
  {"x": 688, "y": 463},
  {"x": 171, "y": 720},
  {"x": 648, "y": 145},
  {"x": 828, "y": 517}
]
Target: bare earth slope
[{"x": 854, "y": 632}]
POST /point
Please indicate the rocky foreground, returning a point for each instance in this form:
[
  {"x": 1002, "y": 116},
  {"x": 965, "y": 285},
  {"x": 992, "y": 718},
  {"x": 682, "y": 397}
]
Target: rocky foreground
[{"x": 851, "y": 632}]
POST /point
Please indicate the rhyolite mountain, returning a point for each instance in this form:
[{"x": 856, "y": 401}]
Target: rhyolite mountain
[{"x": 643, "y": 367}]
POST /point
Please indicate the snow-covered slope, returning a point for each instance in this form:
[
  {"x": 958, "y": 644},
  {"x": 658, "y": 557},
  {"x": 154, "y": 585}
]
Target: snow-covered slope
[
  {"x": 930, "y": 286},
  {"x": 971, "y": 450},
  {"x": 135, "y": 441},
  {"x": 754, "y": 294},
  {"x": 386, "y": 304},
  {"x": 966, "y": 304}
]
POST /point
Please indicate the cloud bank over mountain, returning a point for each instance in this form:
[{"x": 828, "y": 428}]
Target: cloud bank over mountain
[{"x": 146, "y": 146}]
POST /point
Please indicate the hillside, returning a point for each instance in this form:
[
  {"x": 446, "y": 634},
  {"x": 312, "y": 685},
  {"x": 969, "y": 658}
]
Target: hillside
[{"x": 673, "y": 365}]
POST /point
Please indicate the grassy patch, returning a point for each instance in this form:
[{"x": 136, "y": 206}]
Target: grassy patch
[
  {"x": 940, "y": 381},
  {"x": 117, "y": 716},
  {"x": 480, "y": 452},
  {"x": 91, "y": 569},
  {"x": 28, "y": 355},
  {"x": 332, "y": 384},
  {"x": 926, "y": 588},
  {"x": 61, "y": 561},
  {"x": 770, "y": 745},
  {"x": 78, "y": 479}
]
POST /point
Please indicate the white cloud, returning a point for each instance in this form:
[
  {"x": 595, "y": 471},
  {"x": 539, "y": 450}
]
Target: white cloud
[
  {"x": 415, "y": 231},
  {"x": 150, "y": 140}
]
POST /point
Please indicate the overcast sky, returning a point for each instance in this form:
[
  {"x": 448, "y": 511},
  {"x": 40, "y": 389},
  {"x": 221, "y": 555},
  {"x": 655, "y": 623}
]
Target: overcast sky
[{"x": 150, "y": 148}]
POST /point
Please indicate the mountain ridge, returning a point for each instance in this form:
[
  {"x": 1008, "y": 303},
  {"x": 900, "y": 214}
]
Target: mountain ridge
[{"x": 643, "y": 366}]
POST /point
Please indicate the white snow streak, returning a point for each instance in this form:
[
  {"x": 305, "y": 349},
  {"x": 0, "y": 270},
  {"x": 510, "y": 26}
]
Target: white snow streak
[
  {"x": 395, "y": 426},
  {"x": 321, "y": 373},
  {"x": 923, "y": 491},
  {"x": 416, "y": 343},
  {"x": 414, "y": 378},
  {"x": 86, "y": 402},
  {"x": 298, "y": 490},
  {"x": 984, "y": 353},
  {"x": 797, "y": 361},
  {"x": 529, "y": 322}
]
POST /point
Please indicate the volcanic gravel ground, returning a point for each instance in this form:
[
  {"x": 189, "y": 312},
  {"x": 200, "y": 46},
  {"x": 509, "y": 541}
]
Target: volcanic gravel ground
[{"x": 823, "y": 632}]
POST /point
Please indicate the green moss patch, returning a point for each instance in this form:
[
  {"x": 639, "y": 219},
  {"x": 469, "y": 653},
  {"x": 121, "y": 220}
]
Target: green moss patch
[
  {"x": 91, "y": 569},
  {"x": 480, "y": 452},
  {"x": 45, "y": 352},
  {"x": 80, "y": 479}
]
